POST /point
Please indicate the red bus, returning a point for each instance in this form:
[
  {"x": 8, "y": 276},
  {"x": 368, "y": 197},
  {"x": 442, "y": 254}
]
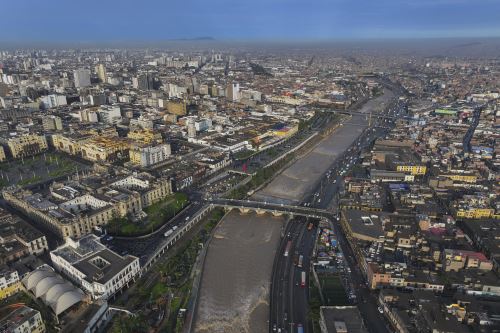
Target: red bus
[{"x": 303, "y": 279}]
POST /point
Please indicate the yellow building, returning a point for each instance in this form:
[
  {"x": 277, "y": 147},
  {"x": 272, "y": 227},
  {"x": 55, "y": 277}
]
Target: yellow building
[
  {"x": 475, "y": 213},
  {"x": 105, "y": 149},
  {"x": 144, "y": 136},
  {"x": 177, "y": 107},
  {"x": 27, "y": 145},
  {"x": 69, "y": 144},
  {"x": 472, "y": 179},
  {"x": 9, "y": 283},
  {"x": 415, "y": 170}
]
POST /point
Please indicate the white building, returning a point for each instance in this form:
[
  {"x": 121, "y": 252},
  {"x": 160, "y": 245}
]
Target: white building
[
  {"x": 99, "y": 271},
  {"x": 233, "y": 91},
  {"x": 82, "y": 78},
  {"x": 203, "y": 124},
  {"x": 52, "y": 101},
  {"x": 146, "y": 156},
  {"x": 110, "y": 114}
]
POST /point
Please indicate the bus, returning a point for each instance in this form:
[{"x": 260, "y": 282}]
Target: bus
[
  {"x": 303, "y": 279},
  {"x": 300, "y": 328},
  {"x": 301, "y": 258},
  {"x": 287, "y": 249}
]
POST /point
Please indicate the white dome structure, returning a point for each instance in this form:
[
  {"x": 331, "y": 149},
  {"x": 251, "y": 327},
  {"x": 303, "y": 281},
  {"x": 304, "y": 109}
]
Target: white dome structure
[
  {"x": 67, "y": 300},
  {"x": 34, "y": 277},
  {"x": 54, "y": 291}
]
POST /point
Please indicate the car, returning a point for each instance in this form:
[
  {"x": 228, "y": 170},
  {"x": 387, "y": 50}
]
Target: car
[{"x": 380, "y": 310}]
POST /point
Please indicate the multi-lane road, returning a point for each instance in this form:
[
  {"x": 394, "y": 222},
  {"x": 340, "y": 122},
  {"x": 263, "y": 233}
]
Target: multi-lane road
[{"x": 289, "y": 293}]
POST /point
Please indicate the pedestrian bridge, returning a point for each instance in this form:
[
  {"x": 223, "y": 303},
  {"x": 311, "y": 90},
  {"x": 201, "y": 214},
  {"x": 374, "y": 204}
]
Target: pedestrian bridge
[{"x": 246, "y": 206}]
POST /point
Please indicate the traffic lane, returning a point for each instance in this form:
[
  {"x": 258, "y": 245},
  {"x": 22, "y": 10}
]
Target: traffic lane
[
  {"x": 144, "y": 247},
  {"x": 301, "y": 295},
  {"x": 279, "y": 293}
]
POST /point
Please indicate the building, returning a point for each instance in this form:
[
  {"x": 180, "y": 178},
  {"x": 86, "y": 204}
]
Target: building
[
  {"x": 233, "y": 91},
  {"x": 14, "y": 229},
  {"x": 341, "y": 319},
  {"x": 27, "y": 145},
  {"x": 22, "y": 319},
  {"x": 52, "y": 123},
  {"x": 105, "y": 149},
  {"x": 110, "y": 114},
  {"x": 146, "y": 156},
  {"x": 9, "y": 282},
  {"x": 143, "y": 82},
  {"x": 69, "y": 143},
  {"x": 98, "y": 270},
  {"x": 191, "y": 128},
  {"x": 52, "y": 101},
  {"x": 202, "y": 125},
  {"x": 2, "y": 154},
  {"x": 177, "y": 107},
  {"x": 54, "y": 291},
  {"x": 145, "y": 136},
  {"x": 101, "y": 73},
  {"x": 81, "y": 78},
  {"x": 71, "y": 212}
]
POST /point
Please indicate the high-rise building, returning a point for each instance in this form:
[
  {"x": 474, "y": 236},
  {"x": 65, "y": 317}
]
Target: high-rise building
[
  {"x": 233, "y": 91},
  {"x": 191, "y": 128},
  {"x": 82, "y": 78},
  {"x": 101, "y": 73},
  {"x": 143, "y": 82}
]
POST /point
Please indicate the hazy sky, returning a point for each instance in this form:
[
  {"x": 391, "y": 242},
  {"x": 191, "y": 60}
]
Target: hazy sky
[{"x": 121, "y": 20}]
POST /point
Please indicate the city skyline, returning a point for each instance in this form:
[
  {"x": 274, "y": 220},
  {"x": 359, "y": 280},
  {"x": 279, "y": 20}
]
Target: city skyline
[{"x": 58, "y": 21}]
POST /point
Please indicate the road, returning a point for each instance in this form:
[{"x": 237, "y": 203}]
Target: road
[
  {"x": 145, "y": 246},
  {"x": 289, "y": 298}
]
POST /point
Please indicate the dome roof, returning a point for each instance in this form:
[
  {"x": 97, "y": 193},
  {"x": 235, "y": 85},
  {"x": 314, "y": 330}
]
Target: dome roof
[
  {"x": 56, "y": 292},
  {"x": 66, "y": 300},
  {"x": 32, "y": 279},
  {"x": 44, "y": 285}
]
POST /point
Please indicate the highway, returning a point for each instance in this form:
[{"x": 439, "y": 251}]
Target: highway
[{"x": 289, "y": 299}]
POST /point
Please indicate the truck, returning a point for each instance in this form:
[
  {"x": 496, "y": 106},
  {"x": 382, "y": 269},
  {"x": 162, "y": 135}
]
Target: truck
[
  {"x": 287, "y": 249},
  {"x": 168, "y": 233},
  {"x": 303, "y": 279},
  {"x": 300, "y": 328}
]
